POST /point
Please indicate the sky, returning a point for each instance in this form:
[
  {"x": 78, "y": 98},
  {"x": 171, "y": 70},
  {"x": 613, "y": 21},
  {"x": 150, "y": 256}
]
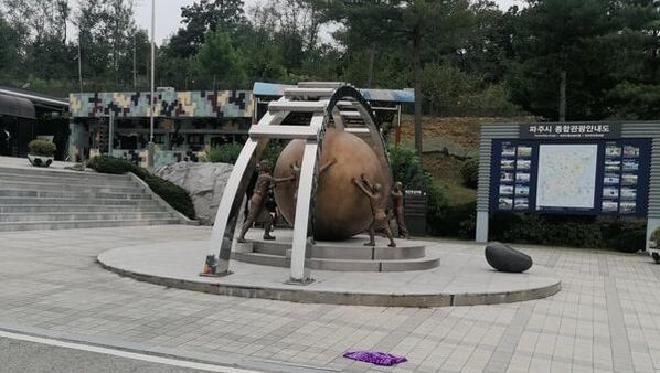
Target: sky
[{"x": 168, "y": 14}]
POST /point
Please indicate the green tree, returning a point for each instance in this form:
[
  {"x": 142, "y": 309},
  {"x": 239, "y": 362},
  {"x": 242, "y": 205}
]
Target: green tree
[{"x": 219, "y": 60}]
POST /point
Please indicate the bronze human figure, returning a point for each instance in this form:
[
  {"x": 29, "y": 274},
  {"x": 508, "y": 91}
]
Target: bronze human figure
[
  {"x": 295, "y": 173},
  {"x": 258, "y": 202},
  {"x": 397, "y": 202},
  {"x": 377, "y": 202}
]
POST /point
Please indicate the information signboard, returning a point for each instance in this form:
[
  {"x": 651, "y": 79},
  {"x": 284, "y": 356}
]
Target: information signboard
[{"x": 586, "y": 176}]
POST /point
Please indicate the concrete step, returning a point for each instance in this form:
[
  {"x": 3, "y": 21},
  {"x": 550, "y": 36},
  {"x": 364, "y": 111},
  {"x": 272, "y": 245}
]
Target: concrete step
[
  {"x": 336, "y": 251},
  {"x": 51, "y": 173},
  {"x": 355, "y": 265},
  {"x": 34, "y": 208},
  {"x": 72, "y": 194},
  {"x": 121, "y": 183},
  {"x": 14, "y": 200},
  {"x": 82, "y": 216},
  {"x": 70, "y": 186},
  {"x": 32, "y": 226}
]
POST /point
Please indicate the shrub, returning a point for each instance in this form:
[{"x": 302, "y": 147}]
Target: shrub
[
  {"x": 407, "y": 169},
  {"x": 171, "y": 193},
  {"x": 470, "y": 173},
  {"x": 109, "y": 165},
  {"x": 176, "y": 196},
  {"x": 655, "y": 237},
  {"x": 227, "y": 153},
  {"x": 454, "y": 221},
  {"x": 42, "y": 148}
]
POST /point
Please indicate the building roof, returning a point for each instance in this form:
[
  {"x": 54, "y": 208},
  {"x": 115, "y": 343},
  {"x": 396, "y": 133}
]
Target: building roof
[
  {"x": 398, "y": 96},
  {"x": 16, "y": 107},
  {"x": 37, "y": 99}
]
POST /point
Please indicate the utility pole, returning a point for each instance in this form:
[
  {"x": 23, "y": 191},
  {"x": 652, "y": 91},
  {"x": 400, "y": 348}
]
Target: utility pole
[
  {"x": 80, "y": 79},
  {"x": 135, "y": 62}
]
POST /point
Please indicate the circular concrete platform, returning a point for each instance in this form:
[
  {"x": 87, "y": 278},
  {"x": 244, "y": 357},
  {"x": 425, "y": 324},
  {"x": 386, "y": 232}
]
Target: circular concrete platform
[{"x": 463, "y": 278}]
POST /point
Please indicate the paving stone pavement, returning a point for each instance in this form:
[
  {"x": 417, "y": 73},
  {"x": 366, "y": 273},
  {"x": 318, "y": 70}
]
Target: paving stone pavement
[{"x": 605, "y": 319}]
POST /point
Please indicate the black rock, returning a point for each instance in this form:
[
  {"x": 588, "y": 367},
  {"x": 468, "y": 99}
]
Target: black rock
[{"x": 507, "y": 259}]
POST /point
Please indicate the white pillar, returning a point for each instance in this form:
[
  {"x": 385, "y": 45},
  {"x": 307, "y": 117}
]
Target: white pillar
[
  {"x": 652, "y": 225},
  {"x": 482, "y": 226}
]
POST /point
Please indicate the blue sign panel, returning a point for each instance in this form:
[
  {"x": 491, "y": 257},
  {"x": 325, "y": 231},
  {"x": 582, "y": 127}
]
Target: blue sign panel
[{"x": 569, "y": 176}]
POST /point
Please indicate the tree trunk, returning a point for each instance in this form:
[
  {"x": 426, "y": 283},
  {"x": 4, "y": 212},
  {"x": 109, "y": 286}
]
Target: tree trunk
[
  {"x": 418, "y": 92},
  {"x": 562, "y": 97},
  {"x": 372, "y": 55}
]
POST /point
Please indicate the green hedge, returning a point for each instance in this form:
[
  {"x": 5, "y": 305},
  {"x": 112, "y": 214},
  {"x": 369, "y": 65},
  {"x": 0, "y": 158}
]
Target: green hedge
[
  {"x": 171, "y": 193},
  {"x": 569, "y": 230}
]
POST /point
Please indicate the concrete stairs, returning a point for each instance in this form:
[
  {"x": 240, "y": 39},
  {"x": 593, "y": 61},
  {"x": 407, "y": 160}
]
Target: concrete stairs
[{"x": 45, "y": 199}]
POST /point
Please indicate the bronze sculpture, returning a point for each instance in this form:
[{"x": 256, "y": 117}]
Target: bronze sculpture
[
  {"x": 295, "y": 173},
  {"x": 340, "y": 209},
  {"x": 397, "y": 202},
  {"x": 378, "y": 204},
  {"x": 259, "y": 201}
]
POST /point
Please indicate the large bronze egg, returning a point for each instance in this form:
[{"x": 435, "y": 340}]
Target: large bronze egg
[{"x": 341, "y": 210}]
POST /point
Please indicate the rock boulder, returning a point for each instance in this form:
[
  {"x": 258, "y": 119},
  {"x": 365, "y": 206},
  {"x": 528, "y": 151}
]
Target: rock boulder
[
  {"x": 507, "y": 259},
  {"x": 204, "y": 181}
]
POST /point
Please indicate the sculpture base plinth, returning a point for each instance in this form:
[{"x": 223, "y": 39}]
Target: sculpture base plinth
[{"x": 348, "y": 255}]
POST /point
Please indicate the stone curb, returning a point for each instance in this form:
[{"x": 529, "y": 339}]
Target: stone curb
[{"x": 303, "y": 295}]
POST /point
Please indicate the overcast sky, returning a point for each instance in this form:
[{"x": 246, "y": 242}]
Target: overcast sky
[{"x": 168, "y": 14}]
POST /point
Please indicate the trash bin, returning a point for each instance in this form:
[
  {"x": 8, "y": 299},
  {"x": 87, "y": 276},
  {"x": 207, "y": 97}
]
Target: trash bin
[{"x": 414, "y": 203}]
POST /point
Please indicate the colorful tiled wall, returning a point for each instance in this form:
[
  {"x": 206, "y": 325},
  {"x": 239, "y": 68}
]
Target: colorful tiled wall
[{"x": 185, "y": 104}]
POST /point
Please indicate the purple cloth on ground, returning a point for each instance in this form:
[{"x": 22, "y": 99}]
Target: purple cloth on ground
[{"x": 378, "y": 358}]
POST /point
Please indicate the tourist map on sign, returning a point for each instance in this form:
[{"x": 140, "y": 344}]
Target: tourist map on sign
[{"x": 567, "y": 176}]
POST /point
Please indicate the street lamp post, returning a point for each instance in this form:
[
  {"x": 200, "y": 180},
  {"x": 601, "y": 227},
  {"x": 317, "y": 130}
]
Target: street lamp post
[{"x": 153, "y": 69}]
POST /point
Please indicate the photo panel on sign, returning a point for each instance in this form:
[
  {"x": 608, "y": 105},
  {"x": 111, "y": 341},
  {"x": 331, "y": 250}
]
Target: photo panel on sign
[
  {"x": 611, "y": 193},
  {"x": 508, "y": 152},
  {"x": 505, "y": 203},
  {"x": 523, "y": 177},
  {"x": 630, "y": 165},
  {"x": 507, "y": 164},
  {"x": 613, "y": 151},
  {"x": 628, "y": 207},
  {"x": 611, "y": 179},
  {"x": 612, "y": 166},
  {"x": 628, "y": 194},
  {"x": 610, "y": 206},
  {"x": 524, "y": 164},
  {"x": 630, "y": 151},
  {"x": 506, "y": 177},
  {"x": 506, "y": 189},
  {"x": 524, "y": 151},
  {"x": 629, "y": 179},
  {"x": 522, "y": 190},
  {"x": 521, "y": 204}
]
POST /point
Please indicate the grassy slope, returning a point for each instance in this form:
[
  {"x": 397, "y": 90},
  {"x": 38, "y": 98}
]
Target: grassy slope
[{"x": 446, "y": 169}]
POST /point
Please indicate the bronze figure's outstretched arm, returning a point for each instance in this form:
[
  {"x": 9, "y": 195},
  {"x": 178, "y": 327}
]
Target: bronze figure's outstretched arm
[
  {"x": 362, "y": 188},
  {"x": 295, "y": 167},
  {"x": 284, "y": 179},
  {"x": 367, "y": 182},
  {"x": 325, "y": 167}
]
